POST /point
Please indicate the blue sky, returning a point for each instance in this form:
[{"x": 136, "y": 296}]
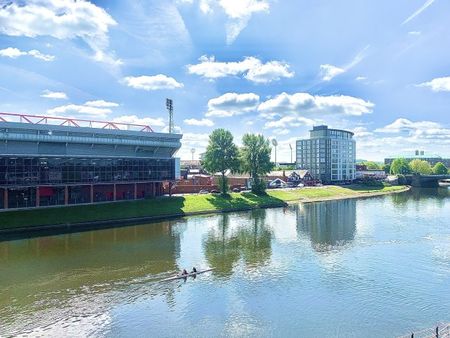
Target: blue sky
[{"x": 277, "y": 67}]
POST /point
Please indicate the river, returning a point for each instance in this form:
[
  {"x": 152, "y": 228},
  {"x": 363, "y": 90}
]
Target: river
[{"x": 376, "y": 267}]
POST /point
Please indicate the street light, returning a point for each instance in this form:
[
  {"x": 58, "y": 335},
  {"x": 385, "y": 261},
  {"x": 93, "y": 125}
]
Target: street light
[
  {"x": 290, "y": 146},
  {"x": 275, "y": 144}
]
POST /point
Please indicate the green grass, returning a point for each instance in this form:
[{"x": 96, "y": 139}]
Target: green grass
[{"x": 176, "y": 205}]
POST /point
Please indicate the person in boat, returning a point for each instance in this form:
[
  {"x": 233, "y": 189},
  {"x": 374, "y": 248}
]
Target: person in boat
[
  {"x": 194, "y": 270},
  {"x": 184, "y": 273}
]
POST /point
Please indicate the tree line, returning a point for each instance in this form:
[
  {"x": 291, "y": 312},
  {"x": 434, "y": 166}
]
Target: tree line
[
  {"x": 401, "y": 166},
  {"x": 253, "y": 157}
]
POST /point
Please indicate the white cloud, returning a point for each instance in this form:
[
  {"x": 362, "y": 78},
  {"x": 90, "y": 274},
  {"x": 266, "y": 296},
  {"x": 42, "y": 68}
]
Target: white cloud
[
  {"x": 101, "y": 104},
  {"x": 73, "y": 110},
  {"x": 61, "y": 19},
  {"x": 328, "y": 72},
  {"x": 48, "y": 94},
  {"x": 148, "y": 121},
  {"x": 281, "y": 131},
  {"x": 98, "y": 109},
  {"x": 427, "y": 4},
  {"x": 304, "y": 103},
  {"x": 199, "y": 142},
  {"x": 14, "y": 53},
  {"x": 202, "y": 122},
  {"x": 155, "y": 82},
  {"x": 441, "y": 84},
  {"x": 238, "y": 12},
  {"x": 406, "y": 135},
  {"x": 415, "y": 33},
  {"x": 251, "y": 68},
  {"x": 361, "y": 78},
  {"x": 231, "y": 104},
  {"x": 290, "y": 121}
]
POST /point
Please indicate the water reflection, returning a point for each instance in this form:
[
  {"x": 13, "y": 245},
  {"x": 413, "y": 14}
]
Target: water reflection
[
  {"x": 436, "y": 196},
  {"x": 248, "y": 238},
  {"x": 63, "y": 268},
  {"x": 328, "y": 224}
]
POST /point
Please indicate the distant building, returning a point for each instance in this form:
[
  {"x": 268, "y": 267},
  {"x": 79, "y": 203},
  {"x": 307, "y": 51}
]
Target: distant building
[
  {"x": 421, "y": 155},
  {"x": 329, "y": 154}
]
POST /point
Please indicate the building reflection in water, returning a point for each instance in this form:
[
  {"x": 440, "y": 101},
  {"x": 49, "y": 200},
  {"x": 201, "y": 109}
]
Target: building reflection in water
[
  {"x": 66, "y": 266},
  {"x": 328, "y": 224},
  {"x": 243, "y": 236}
]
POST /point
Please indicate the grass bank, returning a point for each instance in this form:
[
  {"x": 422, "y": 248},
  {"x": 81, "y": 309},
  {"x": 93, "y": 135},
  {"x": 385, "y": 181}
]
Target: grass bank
[{"x": 178, "y": 206}]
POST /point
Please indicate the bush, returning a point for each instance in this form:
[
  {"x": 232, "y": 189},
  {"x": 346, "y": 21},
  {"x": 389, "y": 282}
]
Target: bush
[{"x": 259, "y": 186}]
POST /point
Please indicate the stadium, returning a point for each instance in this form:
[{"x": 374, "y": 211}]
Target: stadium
[{"x": 47, "y": 161}]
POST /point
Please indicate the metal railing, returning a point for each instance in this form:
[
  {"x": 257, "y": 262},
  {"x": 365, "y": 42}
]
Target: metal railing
[{"x": 72, "y": 122}]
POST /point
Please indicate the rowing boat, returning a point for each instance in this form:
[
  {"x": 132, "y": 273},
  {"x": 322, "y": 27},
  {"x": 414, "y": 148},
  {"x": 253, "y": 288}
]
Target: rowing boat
[{"x": 191, "y": 274}]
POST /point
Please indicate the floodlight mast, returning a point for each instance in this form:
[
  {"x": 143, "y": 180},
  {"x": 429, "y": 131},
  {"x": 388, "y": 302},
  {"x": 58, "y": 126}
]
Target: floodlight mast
[{"x": 169, "y": 106}]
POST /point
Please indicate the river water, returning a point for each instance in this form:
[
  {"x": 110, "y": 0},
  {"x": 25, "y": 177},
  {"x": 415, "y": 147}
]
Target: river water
[{"x": 376, "y": 267}]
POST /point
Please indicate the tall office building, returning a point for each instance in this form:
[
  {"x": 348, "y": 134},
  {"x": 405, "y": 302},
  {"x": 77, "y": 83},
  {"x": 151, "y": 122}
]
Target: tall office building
[{"x": 329, "y": 154}]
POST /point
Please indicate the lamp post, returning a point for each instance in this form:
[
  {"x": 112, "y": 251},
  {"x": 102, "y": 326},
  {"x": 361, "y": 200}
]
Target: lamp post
[
  {"x": 275, "y": 144},
  {"x": 290, "y": 146}
]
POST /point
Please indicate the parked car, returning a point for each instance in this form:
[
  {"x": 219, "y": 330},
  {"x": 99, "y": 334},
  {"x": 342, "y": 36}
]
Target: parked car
[
  {"x": 215, "y": 192},
  {"x": 203, "y": 191},
  {"x": 236, "y": 190}
]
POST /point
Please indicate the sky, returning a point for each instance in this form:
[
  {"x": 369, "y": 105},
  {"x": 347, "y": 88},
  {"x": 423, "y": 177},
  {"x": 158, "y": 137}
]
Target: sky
[{"x": 278, "y": 67}]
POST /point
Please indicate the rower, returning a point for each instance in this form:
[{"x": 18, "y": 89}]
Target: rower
[
  {"x": 194, "y": 270},
  {"x": 184, "y": 272}
]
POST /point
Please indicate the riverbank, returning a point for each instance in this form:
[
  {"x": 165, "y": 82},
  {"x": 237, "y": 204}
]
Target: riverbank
[{"x": 127, "y": 212}]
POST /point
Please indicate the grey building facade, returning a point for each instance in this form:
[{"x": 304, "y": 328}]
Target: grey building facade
[
  {"x": 329, "y": 154},
  {"x": 419, "y": 155},
  {"x": 47, "y": 164}
]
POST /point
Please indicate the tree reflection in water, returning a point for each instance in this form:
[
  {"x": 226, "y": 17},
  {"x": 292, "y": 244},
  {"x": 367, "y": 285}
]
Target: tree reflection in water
[
  {"x": 418, "y": 195},
  {"x": 328, "y": 224},
  {"x": 248, "y": 239}
]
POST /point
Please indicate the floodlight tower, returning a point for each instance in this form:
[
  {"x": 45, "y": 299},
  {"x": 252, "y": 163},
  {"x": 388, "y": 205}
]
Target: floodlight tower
[
  {"x": 169, "y": 106},
  {"x": 192, "y": 152},
  {"x": 290, "y": 146},
  {"x": 275, "y": 144}
]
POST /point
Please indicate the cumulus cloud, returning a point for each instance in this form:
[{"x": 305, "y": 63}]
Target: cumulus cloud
[
  {"x": 440, "y": 84},
  {"x": 238, "y": 12},
  {"x": 101, "y": 103},
  {"x": 425, "y": 129},
  {"x": 60, "y": 19},
  {"x": 290, "y": 121},
  {"x": 90, "y": 109},
  {"x": 74, "y": 110},
  {"x": 48, "y": 94},
  {"x": 14, "y": 53},
  {"x": 199, "y": 142},
  {"x": 304, "y": 103},
  {"x": 250, "y": 68},
  {"x": 155, "y": 82},
  {"x": 202, "y": 122},
  {"x": 328, "y": 72},
  {"x": 231, "y": 104},
  {"x": 148, "y": 121}
]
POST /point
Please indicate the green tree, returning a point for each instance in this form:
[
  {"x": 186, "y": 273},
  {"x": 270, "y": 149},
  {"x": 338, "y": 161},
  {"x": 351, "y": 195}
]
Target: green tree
[
  {"x": 420, "y": 167},
  {"x": 255, "y": 160},
  {"x": 221, "y": 155},
  {"x": 372, "y": 165},
  {"x": 440, "y": 169},
  {"x": 400, "y": 166},
  {"x": 386, "y": 168}
]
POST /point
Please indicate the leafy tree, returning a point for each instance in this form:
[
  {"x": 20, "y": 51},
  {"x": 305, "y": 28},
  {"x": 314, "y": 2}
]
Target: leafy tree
[
  {"x": 372, "y": 165},
  {"x": 400, "y": 166},
  {"x": 440, "y": 169},
  {"x": 221, "y": 155},
  {"x": 386, "y": 168},
  {"x": 255, "y": 160},
  {"x": 420, "y": 167}
]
